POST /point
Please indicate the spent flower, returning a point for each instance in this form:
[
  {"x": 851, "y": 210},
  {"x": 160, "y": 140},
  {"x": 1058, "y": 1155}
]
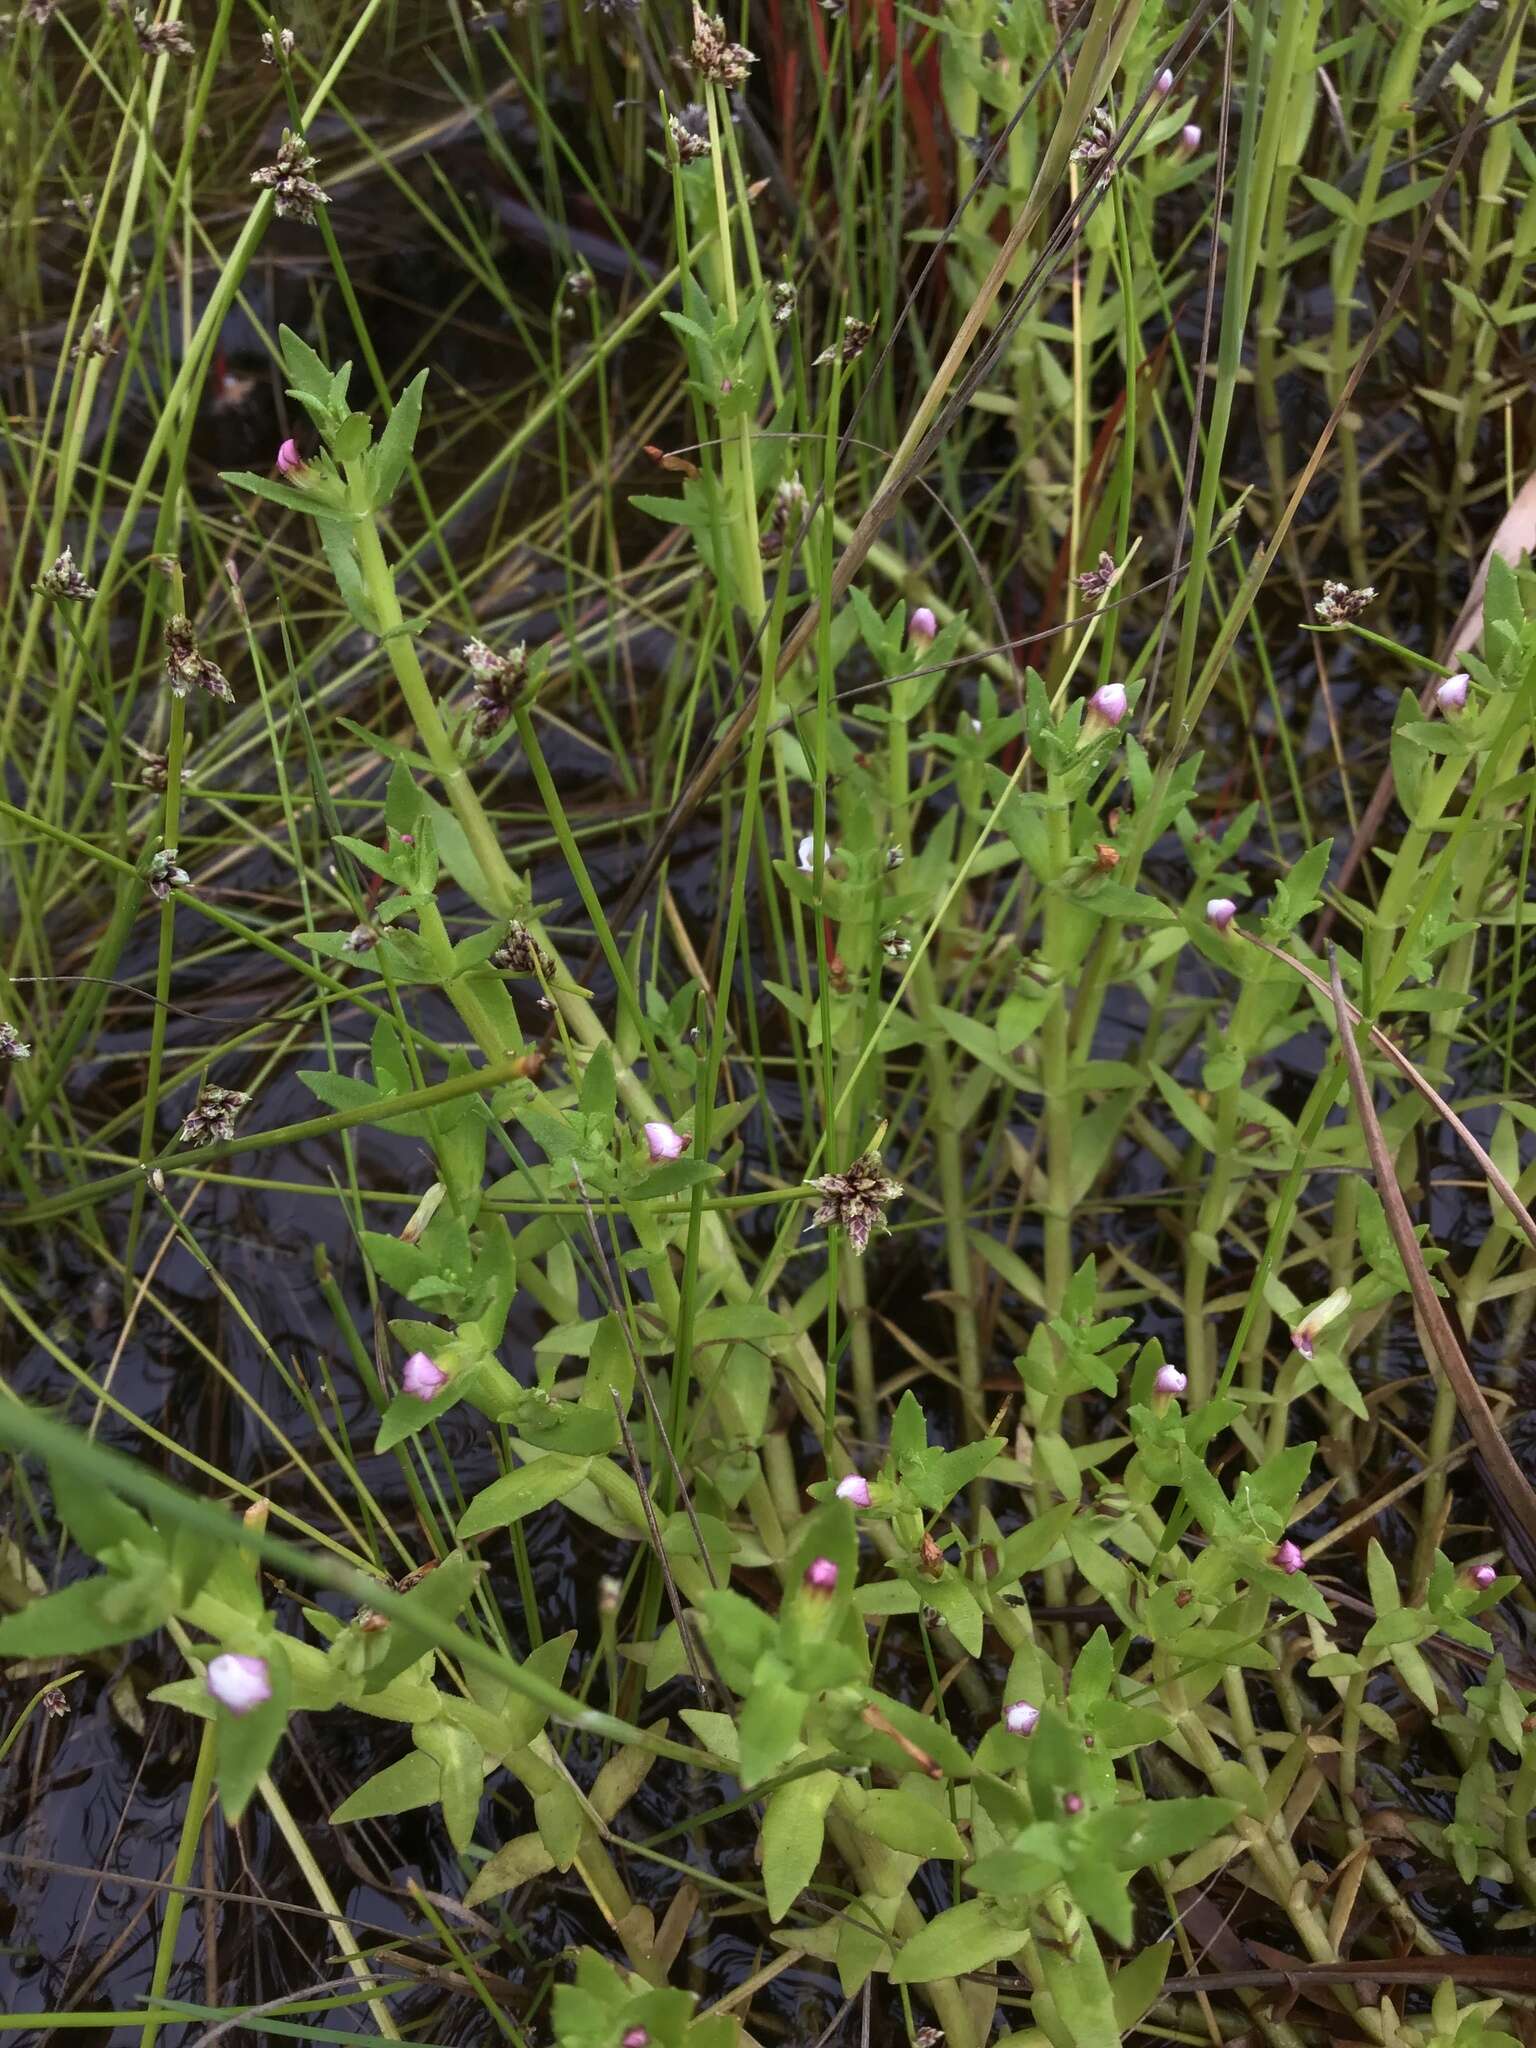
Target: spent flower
[
  {"x": 212, "y": 1120},
  {"x": 497, "y": 680},
  {"x": 12, "y": 1045},
  {"x": 1095, "y": 144},
  {"x": 1338, "y": 603},
  {"x": 715, "y": 55},
  {"x": 165, "y": 875},
  {"x": 856, "y": 1199},
  {"x": 162, "y": 38},
  {"x": 850, "y": 344},
  {"x": 64, "y": 583},
  {"x": 295, "y": 195},
  {"x": 186, "y": 665},
  {"x": 689, "y": 130},
  {"x": 520, "y": 953},
  {"x": 1095, "y": 581}
]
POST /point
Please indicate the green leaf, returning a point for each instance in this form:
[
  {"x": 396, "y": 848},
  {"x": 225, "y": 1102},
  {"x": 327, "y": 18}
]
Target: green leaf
[
  {"x": 966, "y": 1937},
  {"x": 1172, "y": 1827},
  {"x": 794, "y": 1825},
  {"x": 336, "y": 539},
  {"x": 388, "y": 460},
  {"x": 902, "y": 1819},
  {"x": 286, "y": 495},
  {"x": 508, "y": 1499},
  {"x": 97, "y": 1519},
  {"x": 442, "y": 1595},
  {"x": 459, "y": 1760},
  {"x": 1137, "y": 1982},
  {"x": 303, "y": 366},
  {"x": 70, "y": 1623},
  {"x": 769, "y": 1729},
  {"x": 398, "y": 1788},
  {"x": 599, "y": 1089}
]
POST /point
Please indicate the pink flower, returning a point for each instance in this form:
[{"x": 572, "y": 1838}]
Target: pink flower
[
  {"x": 1073, "y": 1803},
  {"x": 1189, "y": 137},
  {"x": 635, "y": 2037},
  {"x": 854, "y": 1488},
  {"x": 922, "y": 625},
  {"x": 1481, "y": 1576},
  {"x": 1288, "y": 1557},
  {"x": 1168, "y": 1383},
  {"x": 1020, "y": 1717},
  {"x": 239, "y": 1684},
  {"x": 821, "y": 1575},
  {"x": 662, "y": 1142},
  {"x": 1219, "y": 912},
  {"x": 1451, "y": 695},
  {"x": 1107, "y": 705},
  {"x": 290, "y": 462},
  {"x": 422, "y": 1376},
  {"x": 1162, "y": 85}
]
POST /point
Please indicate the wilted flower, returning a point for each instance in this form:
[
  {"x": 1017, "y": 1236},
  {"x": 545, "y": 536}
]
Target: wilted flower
[
  {"x": 894, "y": 856},
  {"x": 854, "y": 1489},
  {"x": 1339, "y": 603},
  {"x": 782, "y": 297},
  {"x": 1097, "y": 140},
  {"x": 94, "y": 341},
  {"x": 1094, "y": 582},
  {"x": 12, "y": 1045},
  {"x": 361, "y": 939},
  {"x": 64, "y": 583},
  {"x": 239, "y": 1684},
  {"x": 856, "y": 1200},
  {"x": 1021, "y": 1717},
  {"x": 895, "y": 945},
  {"x": 213, "y": 1119},
  {"x": 1451, "y": 695},
  {"x": 520, "y": 953},
  {"x": 1316, "y": 1320},
  {"x": 662, "y": 1142},
  {"x": 715, "y": 55},
  {"x": 55, "y": 1706},
  {"x": 40, "y": 12},
  {"x": 1189, "y": 136},
  {"x": 155, "y": 771},
  {"x": 821, "y": 1575},
  {"x": 285, "y": 44},
  {"x": 294, "y": 194},
  {"x": 1106, "y": 707},
  {"x": 1219, "y": 912},
  {"x": 497, "y": 679},
  {"x": 162, "y": 38},
  {"x": 422, "y": 1376},
  {"x": 290, "y": 463},
  {"x": 1168, "y": 1383},
  {"x": 164, "y": 875},
  {"x": 850, "y": 344},
  {"x": 1288, "y": 1558},
  {"x": 922, "y": 625},
  {"x": 689, "y": 130},
  {"x": 185, "y": 665}
]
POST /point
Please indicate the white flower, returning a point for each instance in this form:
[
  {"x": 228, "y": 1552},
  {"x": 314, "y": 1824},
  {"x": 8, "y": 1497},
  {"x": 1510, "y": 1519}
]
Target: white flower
[
  {"x": 239, "y": 1684},
  {"x": 1021, "y": 1718},
  {"x": 1219, "y": 912}
]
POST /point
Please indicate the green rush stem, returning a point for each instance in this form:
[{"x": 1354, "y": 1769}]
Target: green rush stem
[{"x": 192, "y": 1820}]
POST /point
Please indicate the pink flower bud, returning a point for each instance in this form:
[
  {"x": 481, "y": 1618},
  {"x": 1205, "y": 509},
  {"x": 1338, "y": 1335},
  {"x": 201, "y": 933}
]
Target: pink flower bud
[
  {"x": 635, "y": 2037},
  {"x": 290, "y": 462},
  {"x": 922, "y": 625},
  {"x": 422, "y": 1376},
  {"x": 1451, "y": 695},
  {"x": 855, "y": 1488},
  {"x": 1219, "y": 912},
  {"x": 1073, "y": 1803},
  {"x": 821, "y": 1575},
  {"x": 239, "y": 1684},
  {"x": 1288, "y": 1557},
  {"x": 1020, "y": 1717},
  {"x": 1481, "y": 1576},
  {"x": 1168, "y": 1383},
  {"x": 662, "y": 1142},
  {"x": 1162, "y": 85},
  {"x": 1189, "y": 136},
  {"x": 1107, "y": 705}
]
